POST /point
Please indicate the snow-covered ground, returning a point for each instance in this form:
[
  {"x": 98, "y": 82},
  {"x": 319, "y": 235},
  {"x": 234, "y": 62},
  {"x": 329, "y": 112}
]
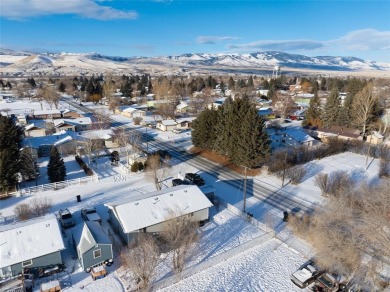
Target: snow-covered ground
[{"x": 266, "y": 267}]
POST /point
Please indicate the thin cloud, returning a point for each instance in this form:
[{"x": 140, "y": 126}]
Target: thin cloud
[
  {"x": 358, "y": 40},
  {"x": 363, "y": 40},
  {"x": 283, "y": 45},
  {"x": 214, "y": 39},
  {"x": 25, "y": 9}
]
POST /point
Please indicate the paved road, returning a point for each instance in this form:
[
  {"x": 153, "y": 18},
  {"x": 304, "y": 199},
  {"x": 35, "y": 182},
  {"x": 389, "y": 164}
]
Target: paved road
[{"x": 274, "y": 196}]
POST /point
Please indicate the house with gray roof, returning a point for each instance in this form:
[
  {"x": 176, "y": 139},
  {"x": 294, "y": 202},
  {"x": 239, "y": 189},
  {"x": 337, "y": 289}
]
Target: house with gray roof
[
  {"x": 149, "y": 212},
  {"x": 93, "y": 246}
]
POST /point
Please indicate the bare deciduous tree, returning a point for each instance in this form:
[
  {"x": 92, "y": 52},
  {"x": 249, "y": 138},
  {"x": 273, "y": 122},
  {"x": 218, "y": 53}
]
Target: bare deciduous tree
[
  {"x": 296, "y": 174},
  {"x": 181, "y": 235},
  {"x": 143, "y": 259},
  {"x": 156, "y": 170},
  {"x": 363, "y": 105}
]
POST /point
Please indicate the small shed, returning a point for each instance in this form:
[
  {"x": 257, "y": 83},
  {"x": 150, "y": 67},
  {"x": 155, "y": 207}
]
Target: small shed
[
  {"x": 93, "y": 246},
  {"x": 375, "y": 138}
]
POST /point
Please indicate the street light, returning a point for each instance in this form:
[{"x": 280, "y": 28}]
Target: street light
[{"x": 146, "y": 135}]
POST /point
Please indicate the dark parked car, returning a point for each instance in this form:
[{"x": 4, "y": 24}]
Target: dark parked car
[
  {"x": 195, "y": 178},
  {"x": 65, "y": 218},
  {"x": 178, "y": 182},
  {"x": 90, "y": 214}
]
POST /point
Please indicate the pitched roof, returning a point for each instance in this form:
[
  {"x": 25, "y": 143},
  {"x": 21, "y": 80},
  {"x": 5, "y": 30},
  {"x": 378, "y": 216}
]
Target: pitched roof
[
  {"x": 168, "y": 123},
  {"x": 88, "y": 235},
  {"x": 149, "y": 209},
  {"x": 30, "y": 239},
  {"x": 56, "y": 140}
]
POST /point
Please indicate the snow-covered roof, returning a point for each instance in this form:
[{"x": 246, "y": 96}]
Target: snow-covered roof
[
  {"x": 305, "y": 95},
  {"x": 153, "y": 208},
  {"x": 89, "y": 234},
  {"x": 31, "y": 127},
  {"x": 46, "y": 112},
  {"x": 182, "y": 105},
  {"x": 78, "y": 121},
  {"x": 97, "y": 134},
  {"x": 181, "y": 120},
  {"x": 168, "y": 123},
  {"x": 30, "y": 239},
  {"x": 303, "y": 275},
  {"x": 132, "y": 109},
  {"x": 57, "y": 139}
]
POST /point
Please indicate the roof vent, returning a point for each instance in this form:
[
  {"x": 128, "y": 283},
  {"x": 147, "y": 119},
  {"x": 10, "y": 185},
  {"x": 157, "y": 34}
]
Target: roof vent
[
  {"x": 171, "y": 195},
  {"x": 185, "y": 191},
  {"x": 136, "y": 204},
  {"x": 48, "y": 224}
]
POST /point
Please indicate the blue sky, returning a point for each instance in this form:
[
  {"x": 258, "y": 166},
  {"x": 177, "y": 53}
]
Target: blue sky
[{"x": 156, "y": 28}]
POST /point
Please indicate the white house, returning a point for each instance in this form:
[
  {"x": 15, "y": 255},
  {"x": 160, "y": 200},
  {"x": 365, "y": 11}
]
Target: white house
[
  {"x": 166, "y": 125},
  {"x": 30, "y": 244},
  {"x": 148, "y": 212}
]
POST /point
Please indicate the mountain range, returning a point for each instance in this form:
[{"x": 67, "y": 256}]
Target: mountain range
[{"x": 16, "y": 63}]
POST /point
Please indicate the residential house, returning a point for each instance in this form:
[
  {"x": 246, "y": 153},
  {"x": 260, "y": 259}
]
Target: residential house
[
  {"x": 375, "y": 138},
  {"x": 63, "y": 126},
  {"x": 46, "y": 114},
  {"x": 41, "y": 146},
  {"x": 133, "y": 112},
  {"x": 303, "y": 98},
  {"x": 289, "y": 137},
  {"x": 184, "y": 123},
  {"x": 217, "y": 103},
  {"x": 36, "y": 243},
  {"x": 69, "y": 114},
  {"x": 166, "y": 125},
  {"x": 158, "y": 103},
  {"x": 33, "y": 131},
  {"x": 92, "y": 245},
  {"x": 182, "y": 107},
  {"x": 334, "y": 132},
  {"x": 149, "y": 212},
  {"x": 21, "y": 118}
]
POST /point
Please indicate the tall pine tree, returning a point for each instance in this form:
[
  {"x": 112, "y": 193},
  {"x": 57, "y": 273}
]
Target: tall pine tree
[
  {"x": 56, "y": 170},
  {"x": 28, "y": 166},
  {"x": 10, "y": 137},
  {"x": 314, "y": 112},
  {"x": 204, "y": 133},
  {"x": 251, "y": 140},
  {"x": 331, "y": 110}
]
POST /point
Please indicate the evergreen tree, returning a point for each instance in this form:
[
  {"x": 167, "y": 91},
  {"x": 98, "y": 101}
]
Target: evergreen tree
[
  {"x": 252, "y": 142},
  {"x": 314, "y": 112},
  {"x": 204, "y": 134},
  {"x": 344, "y": 116},
  {"x": 250, "y": 81},
  {"x": 90, "y": 87},
  {"x": 56, "y": 170},
  {"x": 126, "y": 89},
  {"x": 8, "y": 85},
  {"x": 331, "y": 110},
  {"x": 223, "y": 128},
  {"x": 61, "y": 87},
  {"x": 231, "y": 83},
  {"x": 10, "y": 137},
  {"x": 28, "y": 166}
]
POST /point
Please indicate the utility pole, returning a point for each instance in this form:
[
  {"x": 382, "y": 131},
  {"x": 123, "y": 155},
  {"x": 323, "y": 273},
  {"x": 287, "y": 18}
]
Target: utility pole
[
  {"x": 245, "y": 168},
  {"x": 368, "y": 151},
  {"x": 284, "y": 169}
]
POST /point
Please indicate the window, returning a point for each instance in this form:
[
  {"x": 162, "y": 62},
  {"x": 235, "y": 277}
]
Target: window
[
  {"x": 27, "y": 263},
  {"x": 97, "y": 253}
]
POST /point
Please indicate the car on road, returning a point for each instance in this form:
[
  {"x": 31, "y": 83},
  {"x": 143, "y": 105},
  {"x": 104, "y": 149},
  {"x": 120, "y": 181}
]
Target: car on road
[
  {"x": 90, "y": 214},
  {"x": 195, "y": 178},
  {"x": 305, "y": 275},
  {"x": 66, "y": 218}
]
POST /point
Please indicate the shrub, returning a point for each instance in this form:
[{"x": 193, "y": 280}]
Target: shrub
[
  {"x": 23, "y": 212},
  {"x": 296, "y": 174},
  {"x": 140, "y": 166},
  {"x": 134, "y": 167},
  {"x": 384, "y": 168},
  {"x": 137, "y": 120},
  {"x": 89, "y": 171}
]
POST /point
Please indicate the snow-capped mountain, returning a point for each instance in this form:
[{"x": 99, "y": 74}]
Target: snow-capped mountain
[{"x": 14, "y": 63}]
